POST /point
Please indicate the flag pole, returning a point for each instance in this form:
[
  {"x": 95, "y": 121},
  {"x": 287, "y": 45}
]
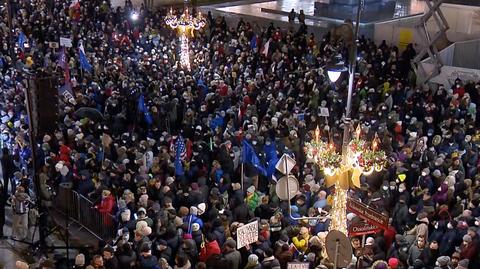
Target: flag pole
[
  {"x": 288, "y": 188},
  {"x": 241, "y": 178}
]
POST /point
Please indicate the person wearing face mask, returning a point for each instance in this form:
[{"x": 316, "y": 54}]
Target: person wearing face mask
[
  {"x": 402, "y": 191},
  {"x": 439, "y": 231}
]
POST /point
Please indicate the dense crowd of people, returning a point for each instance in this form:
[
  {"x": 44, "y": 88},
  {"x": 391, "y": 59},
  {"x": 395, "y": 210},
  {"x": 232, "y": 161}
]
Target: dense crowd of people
[{"x": 165, "y": 160}]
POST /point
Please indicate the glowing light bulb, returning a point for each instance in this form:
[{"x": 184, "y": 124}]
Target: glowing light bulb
[{"x": 368, "y": 172}]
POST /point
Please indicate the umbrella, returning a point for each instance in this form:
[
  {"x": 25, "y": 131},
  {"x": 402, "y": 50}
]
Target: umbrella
[{"x": 91, "y": 113}]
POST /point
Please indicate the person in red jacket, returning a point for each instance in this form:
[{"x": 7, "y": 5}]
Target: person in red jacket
[
  {"x": 209, "y": 248},
  {"x": 106, "y": 206},
  {"x": 389, "y": 234},
  {"x": 468, "y": 249}
]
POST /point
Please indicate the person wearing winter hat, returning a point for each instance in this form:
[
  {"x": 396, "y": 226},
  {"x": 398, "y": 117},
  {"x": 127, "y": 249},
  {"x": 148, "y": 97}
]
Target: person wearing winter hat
[
  {"x": 370, "y": 241},
  {"x": 252, "y": 262},
  {"x": 146, "y": 259},
  {"x": 80, "y": 261},
  {"x": 443, "y": 262},
  {"x": 21, "y": 265},
  {"x": 468, "y": 248},
  {"x": 463, "y": 264},
  {"x": 393, "y": 263},
  {"x": 230, "y": 253},
  {"x": 252, "y": 198}
]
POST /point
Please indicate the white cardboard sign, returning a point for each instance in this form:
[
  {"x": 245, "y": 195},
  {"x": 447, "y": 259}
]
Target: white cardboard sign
[
  {"x": 66, "y": 42},
  {"x": 247, "y": 234}
]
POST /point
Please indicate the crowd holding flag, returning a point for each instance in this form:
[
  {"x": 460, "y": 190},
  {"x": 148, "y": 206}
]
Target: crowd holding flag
[
  {"x": 66, "y": 89},
  {"x": 180, "y": 154},
  {"x": 22, "y": 39},
  {"x": 271, "y": 158},
  {"x": 141, "y": 106},
  {"x": 84, "y": 64},
  {"x": 249, "y": 156},
  {"x": 74, "y": 10},
  {"x": 265, "y": 48}
]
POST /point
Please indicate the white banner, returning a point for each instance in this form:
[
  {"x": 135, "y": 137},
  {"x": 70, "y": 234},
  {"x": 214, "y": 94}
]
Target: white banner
[
  {"x": 66, "y": 42},
  {"x": 324, "y": 112},
  {"x": 298, "y": 265},
  {"x": 247, "y": 234}
]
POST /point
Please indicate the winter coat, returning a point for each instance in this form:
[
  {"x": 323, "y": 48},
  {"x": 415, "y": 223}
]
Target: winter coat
[
  {"x": 270, "y": 263},
  {"x": 191, "y": 219},
  {"x": 441, "y": 196},
  {"x": 241, "y": 213},
  {"x": 147, "y": 262},
  {"x": 447, "y": 243},
  {"x": 219, "y": 232},
  {"x": 252, "y": 201},
  {"x": 217, "y": 261},
  {"x": 111, "y": 263},
  {"x": 234, "y": 258},
  {"x": 210, "y": 249},
  {"x": 300, "y": 243},
  {"x": 468, "y": 251},
  {"x": 126, "y": 260},
  {"x": 413, "y": 254},
  {"x": 107, "y": 205},
  {"x": 400, "y": 214}
]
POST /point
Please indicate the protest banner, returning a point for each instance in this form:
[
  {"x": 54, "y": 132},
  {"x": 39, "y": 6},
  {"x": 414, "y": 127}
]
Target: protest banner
[
  {"x": 247, "y": 234},
  {"x": 66, "y": 42},
  {"x": 298, "y": 265}
]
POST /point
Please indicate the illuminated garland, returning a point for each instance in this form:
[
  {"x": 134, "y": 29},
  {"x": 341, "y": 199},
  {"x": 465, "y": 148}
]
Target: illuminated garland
[
  {"x": 339, "y": 211},
  {"x": 185, "y": 24},
  {"x": 184, "y": 52},
  {"x": 372, "y": 160},
  {"x": 324, "y": 155},
  {"x": 358, "y": 155}
]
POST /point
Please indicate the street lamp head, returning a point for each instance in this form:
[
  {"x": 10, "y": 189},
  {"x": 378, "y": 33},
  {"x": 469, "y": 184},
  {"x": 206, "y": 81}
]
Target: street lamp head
[
  {"x": 333, "y": 75},
  {"x": 334, "y": 72},
  {"x": 335, "y": 68},
  {"x": 134, "y": 16}
]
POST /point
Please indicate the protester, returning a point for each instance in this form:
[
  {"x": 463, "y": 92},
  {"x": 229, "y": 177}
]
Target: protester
[{"x": 164, "y": 163}]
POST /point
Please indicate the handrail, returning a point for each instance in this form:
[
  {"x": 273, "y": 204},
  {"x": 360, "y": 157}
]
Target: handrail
[{"x": 81, "y": 210}]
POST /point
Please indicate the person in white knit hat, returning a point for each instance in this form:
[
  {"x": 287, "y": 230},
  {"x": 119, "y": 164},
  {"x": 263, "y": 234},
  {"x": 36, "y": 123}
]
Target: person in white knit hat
[{"x": 21, "y": 265}]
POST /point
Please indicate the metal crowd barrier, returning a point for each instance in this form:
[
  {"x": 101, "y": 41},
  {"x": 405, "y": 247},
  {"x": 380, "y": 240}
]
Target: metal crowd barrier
[{"x": 80, "y": 210}]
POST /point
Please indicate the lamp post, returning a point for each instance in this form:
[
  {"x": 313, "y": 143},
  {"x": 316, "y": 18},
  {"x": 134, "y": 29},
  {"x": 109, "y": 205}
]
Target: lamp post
[
  {"x": 351, "y": 72},
  {"x": 356, "y": 158}
]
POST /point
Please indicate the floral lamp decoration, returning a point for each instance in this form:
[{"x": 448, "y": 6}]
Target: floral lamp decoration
[{"x": 361, "y": 157}]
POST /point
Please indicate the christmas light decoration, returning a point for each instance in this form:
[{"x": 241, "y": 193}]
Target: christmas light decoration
[
  {"x": 359, "y": 158},
  {"x": 185, "y": 24},
  {"x": 338, "y": 212},
  {"x": 184, "y": 52}
]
